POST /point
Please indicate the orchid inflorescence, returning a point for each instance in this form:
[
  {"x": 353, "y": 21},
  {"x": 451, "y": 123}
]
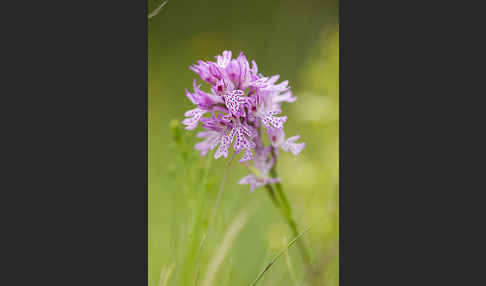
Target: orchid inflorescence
[{"x": 241, "y": 101}]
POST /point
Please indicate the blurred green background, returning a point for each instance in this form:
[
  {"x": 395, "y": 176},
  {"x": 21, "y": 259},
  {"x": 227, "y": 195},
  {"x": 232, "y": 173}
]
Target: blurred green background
[{"x": 186, "y": 245}]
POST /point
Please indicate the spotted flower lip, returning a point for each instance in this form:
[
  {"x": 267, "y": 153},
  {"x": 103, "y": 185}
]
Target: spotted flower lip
[{"x": 241, "y": 104}]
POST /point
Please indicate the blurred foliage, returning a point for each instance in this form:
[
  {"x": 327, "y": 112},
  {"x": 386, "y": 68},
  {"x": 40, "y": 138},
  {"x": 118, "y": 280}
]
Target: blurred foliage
[{"x": 298, "y": 40}]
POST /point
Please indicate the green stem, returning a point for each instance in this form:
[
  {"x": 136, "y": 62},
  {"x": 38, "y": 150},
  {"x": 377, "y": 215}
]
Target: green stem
[
  {"x": 293, "y": 226},
  {"x": 271, "y": 193},
  {"x": 278, "y": 186},
  {"x": 281, "y": 194},
  {"x": 287, "y": 210}
]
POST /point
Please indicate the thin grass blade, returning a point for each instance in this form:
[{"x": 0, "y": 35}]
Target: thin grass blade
[{"x": 269, "y": 265}]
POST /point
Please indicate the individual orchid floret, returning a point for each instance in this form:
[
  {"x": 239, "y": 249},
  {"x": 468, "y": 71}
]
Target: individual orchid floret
[
  {"x": 244, "y": 135},
  {"x": 290, "y": 145},
  {"x": 215, "y": 129},
  {"x": 266, "y": 113},
  {"x": 194, "y": 117},
  {"x": 269, "y": 120},
  {"x": 222, "y": 86},
  {"x": 265, "y": 109},
  {"x": 260, "y": 176},
  {"x": 202, "y": 69},
  {"x": 216, "y": 133},
  {"x": 202, "y": 99},
  {"x": 234, "y": 101},
  {"x": 213, "y": 138},
  {"x": 256, "y": 181},
  {"x": 223, "y": 147},
  {"x": 277, "y": 139}
]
